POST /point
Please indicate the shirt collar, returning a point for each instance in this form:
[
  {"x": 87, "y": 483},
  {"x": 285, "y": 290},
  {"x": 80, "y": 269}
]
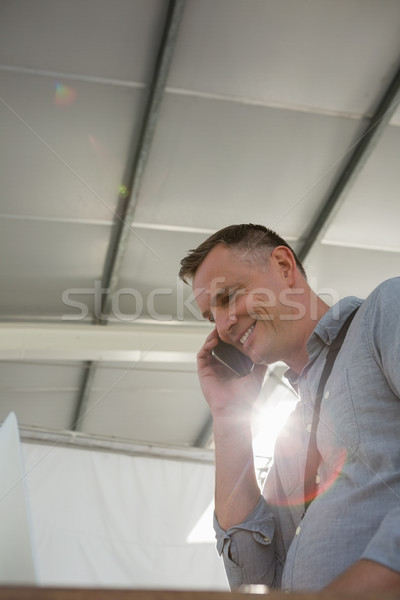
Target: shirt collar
[
  {"x": 326, "y": 331},
  {"x": 330, "y": 324}
]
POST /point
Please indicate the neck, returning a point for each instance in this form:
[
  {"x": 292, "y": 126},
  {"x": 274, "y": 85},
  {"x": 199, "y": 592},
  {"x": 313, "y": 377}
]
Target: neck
[{"x": 315, "y": 310}]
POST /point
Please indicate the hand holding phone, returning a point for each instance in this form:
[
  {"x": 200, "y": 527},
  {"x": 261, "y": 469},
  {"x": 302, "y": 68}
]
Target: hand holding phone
[{"x": 232, "y": 358}]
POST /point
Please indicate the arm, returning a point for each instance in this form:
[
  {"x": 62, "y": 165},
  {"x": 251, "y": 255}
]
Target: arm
[
  {"x": 379, "y": 568},
  {"x": 366, "y": 576},
  {"x": 231, "y": 400},
  {"x": 243, "y": 521}
]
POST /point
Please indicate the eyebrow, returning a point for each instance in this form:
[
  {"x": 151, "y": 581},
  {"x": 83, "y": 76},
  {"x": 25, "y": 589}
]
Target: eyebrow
[{"x": 220, "y": 292}]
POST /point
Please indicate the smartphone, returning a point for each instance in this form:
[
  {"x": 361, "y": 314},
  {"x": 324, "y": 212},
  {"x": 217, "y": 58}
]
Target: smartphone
[{"x": 232, "y": 358}]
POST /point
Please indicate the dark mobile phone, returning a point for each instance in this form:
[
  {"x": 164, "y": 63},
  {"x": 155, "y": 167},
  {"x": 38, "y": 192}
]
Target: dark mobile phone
[{"x": 232, "y": 358}]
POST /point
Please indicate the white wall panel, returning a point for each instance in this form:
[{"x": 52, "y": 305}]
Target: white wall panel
[{"x": 106, "y": 519}]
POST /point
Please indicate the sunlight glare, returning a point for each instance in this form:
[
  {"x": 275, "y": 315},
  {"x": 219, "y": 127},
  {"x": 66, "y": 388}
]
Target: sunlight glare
[{"x": 271, "y": 419}]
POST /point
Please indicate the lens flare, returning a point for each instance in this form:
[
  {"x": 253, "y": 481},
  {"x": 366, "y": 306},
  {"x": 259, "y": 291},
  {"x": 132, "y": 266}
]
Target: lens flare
[
  {"x": 123, "y": 191},
  {"x": 64, "y": 95},
  {"x": 296, "y": 498}
]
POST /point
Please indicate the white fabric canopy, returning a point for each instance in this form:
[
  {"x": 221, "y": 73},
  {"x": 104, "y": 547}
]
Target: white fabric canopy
[{"x": 107, "y": 519}]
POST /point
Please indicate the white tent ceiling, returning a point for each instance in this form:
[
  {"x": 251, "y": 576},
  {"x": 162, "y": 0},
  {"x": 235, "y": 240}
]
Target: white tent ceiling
[{"x": 130, "y": 130}]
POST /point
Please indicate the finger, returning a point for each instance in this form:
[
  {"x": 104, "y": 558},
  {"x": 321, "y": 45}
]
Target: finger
[{"x": 210, "y": 342}]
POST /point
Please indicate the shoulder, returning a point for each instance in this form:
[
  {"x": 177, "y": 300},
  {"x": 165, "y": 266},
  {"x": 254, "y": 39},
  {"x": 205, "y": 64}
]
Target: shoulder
[
  {"x": 387, "y": 286},
  {"x": 385, "y": 296},
  {"x": 380, "y": 315}
]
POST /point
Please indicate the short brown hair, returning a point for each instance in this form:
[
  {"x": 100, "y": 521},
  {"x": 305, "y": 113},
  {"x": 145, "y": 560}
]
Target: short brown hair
[{"x": 244, "y": 237}]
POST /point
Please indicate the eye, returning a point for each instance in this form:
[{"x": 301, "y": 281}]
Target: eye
[
  {"x": 228, "y": 297},
  {"x": 234, "y": 295}
]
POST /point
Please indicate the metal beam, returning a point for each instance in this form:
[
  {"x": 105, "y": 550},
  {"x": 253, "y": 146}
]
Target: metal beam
[
  {"x": 133, "y": 448},
  {"x": 166, "y": 344},
  {"x": 132, "y": 184},
  {"x": 355, "y": 164},
  {"x": 86, "y": 385},
  {"x": 205, "y": 437},
  {"x": 84, "y": 394}
]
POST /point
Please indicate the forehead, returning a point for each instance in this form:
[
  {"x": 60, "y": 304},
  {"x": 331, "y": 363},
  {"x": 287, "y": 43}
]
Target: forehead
[
  {"x": 223, "y": 268},
  {"x": 220, "y": 263},
  {"x": 215, "y": 274},
  {"x": 223, "y": 260}
]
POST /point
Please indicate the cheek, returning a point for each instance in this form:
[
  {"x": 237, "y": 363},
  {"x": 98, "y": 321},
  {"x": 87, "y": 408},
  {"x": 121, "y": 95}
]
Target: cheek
[{"x": 261, "y": 306}]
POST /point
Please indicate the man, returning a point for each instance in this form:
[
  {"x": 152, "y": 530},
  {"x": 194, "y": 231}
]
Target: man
[{"x": 346, "y": 536}]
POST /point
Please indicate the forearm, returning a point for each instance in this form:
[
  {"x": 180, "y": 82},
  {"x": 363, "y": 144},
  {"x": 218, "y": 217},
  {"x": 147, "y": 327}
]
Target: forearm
[
  {"x": 231, "y": 400},
  {"x": 366, "y": 576},
  {"x": 236, "y": 489}
]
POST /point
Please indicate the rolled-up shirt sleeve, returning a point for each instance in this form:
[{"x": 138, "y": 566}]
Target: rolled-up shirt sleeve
[{"x": 248, "y": 548}]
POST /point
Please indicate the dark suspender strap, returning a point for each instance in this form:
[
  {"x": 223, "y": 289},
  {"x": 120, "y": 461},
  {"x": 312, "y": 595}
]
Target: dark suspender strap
[{"x": 313, "y": 456}]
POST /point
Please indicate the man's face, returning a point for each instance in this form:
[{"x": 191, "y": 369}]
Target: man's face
[{"x": 246, "y": 301}]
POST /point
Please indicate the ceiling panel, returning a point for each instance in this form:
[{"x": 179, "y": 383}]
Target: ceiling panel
[
  {"x": 45, "y": 260},
  {"x": 149, "y": 276},
  {"x": 95, "y": 38},
  {"x": 41, "y": 395},
  {"x": 247, "y": 164},
  {"x": 67, "y": 145},
  {"x": 305, "y": 53},
  {"x": 337, "y": 271},
  {"x": 143, "y": 405},
  {"x": 376, "y": 189},
  {"x": 396, "y": 117}
]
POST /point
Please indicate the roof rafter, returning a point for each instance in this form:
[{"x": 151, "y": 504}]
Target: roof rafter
[
  {"x": 362, "y": 151},
  {"x": 122, "y": 227}
]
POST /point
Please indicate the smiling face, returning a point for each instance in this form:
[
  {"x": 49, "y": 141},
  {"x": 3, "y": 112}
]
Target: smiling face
[{"x": 250, "y": 302}]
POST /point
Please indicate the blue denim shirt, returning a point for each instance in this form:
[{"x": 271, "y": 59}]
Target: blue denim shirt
[{"x": 357, "y": 512}]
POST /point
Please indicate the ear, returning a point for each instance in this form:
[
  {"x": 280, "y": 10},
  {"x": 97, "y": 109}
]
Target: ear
[{"x": 285, "y": 263}]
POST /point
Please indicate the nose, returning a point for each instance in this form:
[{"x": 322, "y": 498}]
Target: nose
[{"x": 224, "y": 323}]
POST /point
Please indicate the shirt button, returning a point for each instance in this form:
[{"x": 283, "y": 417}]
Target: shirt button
[
  {"x": 298, "y": 530},
  {"x": 326, "y": 395},
  {"x": 266, "y": 539},
  {"x": 317, "y": 479},
  {"x": 309, "y": 427}
]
